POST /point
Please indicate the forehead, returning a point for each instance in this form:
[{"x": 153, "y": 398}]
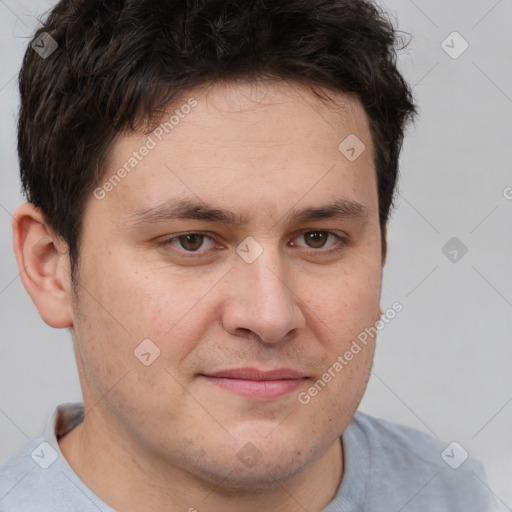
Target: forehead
[{"x": 253, "y": 145}]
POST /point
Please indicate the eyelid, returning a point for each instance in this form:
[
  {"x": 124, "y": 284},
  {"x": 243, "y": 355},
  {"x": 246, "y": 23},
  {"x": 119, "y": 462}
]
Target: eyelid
[
  {"x": 342, "y": 240},
  {"x": 169, "y": 240},
  {"x": 340, "y": 237}
]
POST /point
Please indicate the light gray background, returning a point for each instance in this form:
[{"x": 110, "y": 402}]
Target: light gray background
[{"x": 443, "y": 365}]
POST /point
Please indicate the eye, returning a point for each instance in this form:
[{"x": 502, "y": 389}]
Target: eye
[
  {"x": 318, "y": 239},
  {"x": 189, "y": 242}
]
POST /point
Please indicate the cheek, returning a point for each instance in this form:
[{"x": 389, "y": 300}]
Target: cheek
[
  {"x": 348, "y": 305},
  {"x": 132, "y": 303},
  {"x": 345, "y": 301}
]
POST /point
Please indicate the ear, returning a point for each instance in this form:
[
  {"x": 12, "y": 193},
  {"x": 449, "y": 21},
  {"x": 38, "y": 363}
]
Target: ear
[{"x": 43, "y": 263}]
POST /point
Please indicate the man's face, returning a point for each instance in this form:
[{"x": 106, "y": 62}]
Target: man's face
[{"x": 224, "y": 309}]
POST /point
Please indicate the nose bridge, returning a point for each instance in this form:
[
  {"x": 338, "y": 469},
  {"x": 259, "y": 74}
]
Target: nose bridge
[
  {"x": 267, "y": 278},
  {"x": 269, "y": 287},
  {"x": 264, "y": 301}
]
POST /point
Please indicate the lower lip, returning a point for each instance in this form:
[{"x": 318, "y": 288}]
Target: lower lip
[{"x": 258, "y": 389}]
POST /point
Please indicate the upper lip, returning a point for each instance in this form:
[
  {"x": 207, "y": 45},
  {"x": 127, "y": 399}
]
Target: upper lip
[{"x": 255, "y": 374}]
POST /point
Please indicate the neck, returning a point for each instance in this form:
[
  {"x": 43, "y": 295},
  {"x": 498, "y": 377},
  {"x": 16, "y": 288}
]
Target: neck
[{"x": 125, "y": 477}]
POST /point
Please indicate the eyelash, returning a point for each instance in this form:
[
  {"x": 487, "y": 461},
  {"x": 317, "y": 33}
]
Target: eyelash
[{"x": 342, "y": 242}]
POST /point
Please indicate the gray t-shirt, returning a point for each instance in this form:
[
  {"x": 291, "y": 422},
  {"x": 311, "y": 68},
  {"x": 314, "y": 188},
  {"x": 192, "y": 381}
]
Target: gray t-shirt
[{"x": 388, "y": 468}]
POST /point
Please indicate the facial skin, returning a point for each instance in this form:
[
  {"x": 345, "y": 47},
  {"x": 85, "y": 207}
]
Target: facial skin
[{"x": 166, "y": 436}]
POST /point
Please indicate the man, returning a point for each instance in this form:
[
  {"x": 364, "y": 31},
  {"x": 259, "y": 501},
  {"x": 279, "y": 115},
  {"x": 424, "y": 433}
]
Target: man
[{"x": 209, "y": 185}]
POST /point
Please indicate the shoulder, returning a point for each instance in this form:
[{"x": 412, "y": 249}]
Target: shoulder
[
  {"x": 407, "y": 464},
  {"x": 25, "y": 477},
  {"x": 386, "y": 436},
  {"x": 39, "y": 478}
]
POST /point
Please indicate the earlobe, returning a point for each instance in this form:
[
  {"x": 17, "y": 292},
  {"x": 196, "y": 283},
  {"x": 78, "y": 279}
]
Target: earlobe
[{"x": 43, "y": 263}]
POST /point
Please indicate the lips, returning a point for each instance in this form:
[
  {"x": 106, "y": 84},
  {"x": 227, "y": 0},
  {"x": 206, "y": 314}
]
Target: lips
[
  {"x": 257, "y": 384},
  {"x": 254, "y": 374}
]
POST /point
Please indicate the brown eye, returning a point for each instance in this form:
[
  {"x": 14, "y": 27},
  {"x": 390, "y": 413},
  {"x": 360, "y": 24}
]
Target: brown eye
[
  {"x": 320, "y": 243},
  {"x": 191, "y": 241},
  {"x": 189, "y": 245},
  {"x": 316, "y": 239}
]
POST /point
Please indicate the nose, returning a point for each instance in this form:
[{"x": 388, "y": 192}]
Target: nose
[{"x": 262, "y": 300}]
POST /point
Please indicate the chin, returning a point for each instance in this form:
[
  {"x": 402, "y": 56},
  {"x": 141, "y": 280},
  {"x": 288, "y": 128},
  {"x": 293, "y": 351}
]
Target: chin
[
  {"x": 225, "y": 470},
  {"x": 263, "y": 477}
]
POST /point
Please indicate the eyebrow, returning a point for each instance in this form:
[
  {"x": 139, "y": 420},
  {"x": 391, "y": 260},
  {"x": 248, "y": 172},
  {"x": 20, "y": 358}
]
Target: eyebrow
[{"x": 197, "y": 210}]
